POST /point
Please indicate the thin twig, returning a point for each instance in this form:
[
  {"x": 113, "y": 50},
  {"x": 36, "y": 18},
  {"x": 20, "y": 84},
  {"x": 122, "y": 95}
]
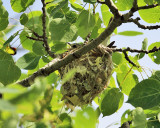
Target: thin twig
[
  {"x": 101, "y": 2},
  {"x": 147, "y": 7},
  {"x": 143, "y": 26},
  {"x": 36, "y": 39},
  {"x": 128, "y": 59},
  {"x": 155, "y": 49},
  {"x": 47, "y": 48}
]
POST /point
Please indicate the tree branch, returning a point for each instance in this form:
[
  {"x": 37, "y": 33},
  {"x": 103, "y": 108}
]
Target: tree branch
[
  {"x": 135, "y": 21},
  {"x": 101, "y": 2},
  {"x": 136, "y": 8},
  {"x": 127, "y": 58},
  {"x": 47, "y": 48},
  {"x": 113, "y": 8},
  {"x": 147, "y": 7},
  {"x": 58, "y": 63},
  {"x": 155, "y": 49},
  {"x": 36, "y": 39}
]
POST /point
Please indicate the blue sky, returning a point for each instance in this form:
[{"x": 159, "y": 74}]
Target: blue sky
[{"x": 121, "y": 41}]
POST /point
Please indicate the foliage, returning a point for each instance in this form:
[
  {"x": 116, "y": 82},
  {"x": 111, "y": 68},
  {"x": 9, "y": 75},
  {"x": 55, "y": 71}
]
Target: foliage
[{"x": 47, "y": 32}]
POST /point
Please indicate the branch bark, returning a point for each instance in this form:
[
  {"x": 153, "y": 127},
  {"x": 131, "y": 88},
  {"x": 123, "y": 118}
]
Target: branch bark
[
  {"x": 47, "y": 48},
  {"x": 135, "y": 21}
]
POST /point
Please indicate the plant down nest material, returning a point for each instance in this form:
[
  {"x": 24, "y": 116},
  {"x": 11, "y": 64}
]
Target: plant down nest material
[{"x": 90, "y": 76}]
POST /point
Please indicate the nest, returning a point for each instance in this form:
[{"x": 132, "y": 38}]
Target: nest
[{"x": 93, "y": 71}]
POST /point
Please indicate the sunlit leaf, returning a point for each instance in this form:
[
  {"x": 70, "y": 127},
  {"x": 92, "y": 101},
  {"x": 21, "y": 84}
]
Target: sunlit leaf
[
  {"x": 150, "y": 15},
  {"x": 117, "y": 58},
  {"x": 85, "y": 23},
  {"x": 83, "y": 117},
  {"x": 155, "y": 56},
  {"x": 125, "y": 79},
  {"x": 144, "y": 47},
  {"x": 20, "y": 5},
  {"x": 106, "y": 14},
  {"x": 130, "y": 33},
  {"x": 123, "y": 5}
]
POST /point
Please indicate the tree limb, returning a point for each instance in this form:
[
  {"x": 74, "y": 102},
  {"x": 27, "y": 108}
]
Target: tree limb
[
  {"x": 135, "y": 21},
  {"x": 127, "y": 58},
  {"x": 47, "y": 48},
  {"x": 113, "y": 8},
  {"x": 155, "y": 49},
  {"x": 56, "y": 64}
]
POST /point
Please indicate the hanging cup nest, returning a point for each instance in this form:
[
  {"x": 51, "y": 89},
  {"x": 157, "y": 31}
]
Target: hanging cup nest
[{"x": 93, "y": 71}]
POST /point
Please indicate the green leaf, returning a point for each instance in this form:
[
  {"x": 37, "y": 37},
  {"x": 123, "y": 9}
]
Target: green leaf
[
  {"x": 21, "y": 5},
  {"x": 126, "y": 116},
  {"x": 155, "y": 56},
  {"x": 24, "y": 18},
  {"x": 90, "y": 1},
  {"x": 139, "y": 118},
  {"x": 85, "y": 23},
  {"x": 149, "y": 2},
  {"x": 106, "y": 14},
  {"x": 153, "y": 123},
  {"x": 31, "y": 94},
  {"x": 152, "y": 111},
  {"x": 66, "y": 32},
  {"x": 7, "y": 30},
  {"x": 52, "y": 10},
  {"x": 3, "y": 18},
  {"x": 145, "y": 94},
  {"x": 112, "y": 83},
  {"x": 83, "y": 117},
  {"x": 25, "y": 42},
  {"x": 156, "y": 75},
  {"x": 10, "y": 39},
  {"x": 110, "y": 101},
  {"x": 10, "y": 122},
  {"x": 77, "y": 7},
  {"x": 123, "y": 5},
  {"x": 144, "y": 47},
  {"x": 117, "y": 58},
  {"x": 158, "y": 1},
  {"x": 97, "y": 26},
  {"x": 71, "y": 16},
  {"x": 35, "y": 22},
  {"x": 150, "y": 15},
  {"x": 29, "y": 61},
  {"x": 130, "y": 33},
  {"x": 9, "y": 90},
  {"x": 38, "y": 48},
  {"x": 6, "y": 106},
  {"x": 125, "y": 79},
  {"x": 9, "y": 72}
]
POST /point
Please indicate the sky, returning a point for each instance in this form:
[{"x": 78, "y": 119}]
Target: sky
[{"x": 121, "y": 41}]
